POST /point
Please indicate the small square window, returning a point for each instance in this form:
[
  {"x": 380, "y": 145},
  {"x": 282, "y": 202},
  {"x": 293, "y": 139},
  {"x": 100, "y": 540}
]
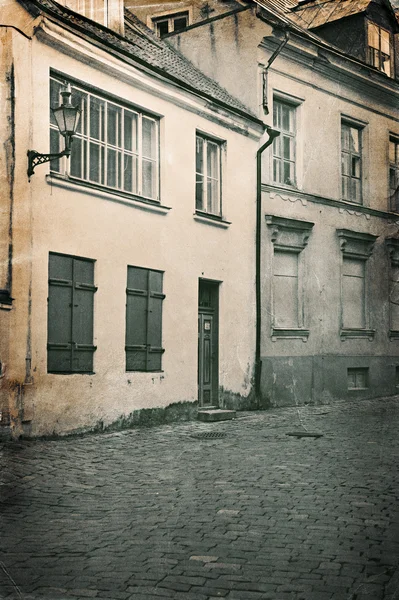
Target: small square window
[
  {"x": 358, "y": 378},
  {"x": 208, "y": 176},
  {"x": 169, "y": 23}
]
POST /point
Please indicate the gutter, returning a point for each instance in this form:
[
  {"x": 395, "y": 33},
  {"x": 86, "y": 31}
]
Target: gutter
[{"x": 272, "y": 133}]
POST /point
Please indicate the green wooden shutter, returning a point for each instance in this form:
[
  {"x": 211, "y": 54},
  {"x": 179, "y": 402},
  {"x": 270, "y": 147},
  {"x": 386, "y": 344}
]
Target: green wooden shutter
[
  {"x": 143, "y": 320},
  {"x": 70, "y": 315}
]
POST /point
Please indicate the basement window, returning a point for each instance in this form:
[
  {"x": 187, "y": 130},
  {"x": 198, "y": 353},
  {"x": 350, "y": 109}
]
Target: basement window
[{"x": 358, "y": 378}]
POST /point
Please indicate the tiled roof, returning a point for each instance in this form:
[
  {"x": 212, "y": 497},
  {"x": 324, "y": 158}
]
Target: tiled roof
[
  {"x": 141, "y": 45},
  {"x": 314, "y": 14}
]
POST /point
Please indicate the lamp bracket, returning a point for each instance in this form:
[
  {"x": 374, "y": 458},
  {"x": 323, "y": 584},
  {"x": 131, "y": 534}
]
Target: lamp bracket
[{"x": 36, "y": 158}]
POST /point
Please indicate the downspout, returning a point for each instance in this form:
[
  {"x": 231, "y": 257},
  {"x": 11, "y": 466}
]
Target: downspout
[
  {"x": 272, "y": 133},
  {"x": 267, "y": 67}
]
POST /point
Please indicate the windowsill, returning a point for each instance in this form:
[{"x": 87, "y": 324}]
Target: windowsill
[
  {"x": 358, "y": 389},
  {"x": 292, "y": 333},
  {"x": 64, "y": 181},
  {"x": 209, "y": 219},
  {"x": 393, "y": 334},
  {"x": 347, "y": 333},
  {"x": 354, "y": 202},
  {"x": 71, "y": 373}
]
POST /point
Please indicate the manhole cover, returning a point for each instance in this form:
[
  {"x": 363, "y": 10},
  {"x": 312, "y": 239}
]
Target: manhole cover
[{"x": 209, "y": 435}]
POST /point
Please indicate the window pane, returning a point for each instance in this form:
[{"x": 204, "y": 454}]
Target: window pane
[
  {"x": 113, "y": 166},
  {"x": 95, "y": 168},
  {"x": 55, "y": 148},
  {"x": 199, "y": 192},
  {"x": 345, "y": 161},
  {"x": 354, "y": 139},
  {"x": 149, "y": 179},
  {"x": 79, "y": 99},
  {"x": 149, "y": 138},
  {"x": 213, "y": 196},
  {"x": 277, "y": 170},
  {"x": 76, "y": 167},
  {"x": 212, "y": 160},
  {"x": 130, "y": 131},
  {"x": 130, "y": 173},
  {"x": 162, "y": 27},
  {"x": 114, "y": 125},
  {"x": 97, "y": 108},
  {"x": 180, "y": 23},
  {"x": 373, "y": 36},
  {"x": 385, "y": 42},
  {"x": 55, "y": 98},
  {"x": 355, "y": 166},
  {"x": 277, "y": 146}
]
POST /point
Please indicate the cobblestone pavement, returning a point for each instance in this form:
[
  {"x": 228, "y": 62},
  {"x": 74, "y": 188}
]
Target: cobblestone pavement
[{"x": 258, "y": 514}]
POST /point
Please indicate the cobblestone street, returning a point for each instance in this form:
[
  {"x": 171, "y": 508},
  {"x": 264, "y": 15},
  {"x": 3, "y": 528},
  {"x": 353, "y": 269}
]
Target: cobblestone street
[{"x": 256, "y": 514}]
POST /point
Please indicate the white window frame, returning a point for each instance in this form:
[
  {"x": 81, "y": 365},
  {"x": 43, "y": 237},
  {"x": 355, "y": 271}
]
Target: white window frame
[
  {"x": 209, "y": 202},
  {"x": 353, "y": 156},
  {"x": 375, "y": 55},
  {"x": 104, "y": 145},
  {"x": 292, "y": 105}
]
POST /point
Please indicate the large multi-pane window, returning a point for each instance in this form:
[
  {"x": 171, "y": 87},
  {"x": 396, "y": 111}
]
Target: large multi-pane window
[
  {"x": 353, "y": 293},
  {"x": 351, "y": 162},
  {"x": 394, "y": 173},
  {"x": 70, "y": 314},
  {"x": 284, "y": 145},
  {"x": 379, "y": 51},
  {"x": 144, "y": 299},
  {"x": 207, "y": 176},
  {"x": 115, "y": 146}
]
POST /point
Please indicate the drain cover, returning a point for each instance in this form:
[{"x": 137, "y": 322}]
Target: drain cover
[
  {"x": 301, "y": 434},
  {"x": 209, "y": 435}
]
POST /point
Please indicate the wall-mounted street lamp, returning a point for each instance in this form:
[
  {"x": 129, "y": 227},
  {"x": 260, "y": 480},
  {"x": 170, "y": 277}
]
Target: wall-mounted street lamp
[{"x": 67, "y": 119}]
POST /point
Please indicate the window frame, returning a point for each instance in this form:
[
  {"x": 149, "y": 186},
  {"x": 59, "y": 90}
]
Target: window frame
[
  {"x": 357, "y": 246},
  {"x": 170, "y": 19},
  {"x": 148, "y": 293},
  {"x": 393, "y": 168},
  {"x": 359, "y": 373},
  {"x": 292, "y": 104},
  {"x": 220, "y": 145},
  {"x": 80, "y": 286},
  {"x": 64, "y": 167},
  {"x": 289, "y": 236},
  {"x": 370, "y": 55},
  {"x": 353, "y": 155}
]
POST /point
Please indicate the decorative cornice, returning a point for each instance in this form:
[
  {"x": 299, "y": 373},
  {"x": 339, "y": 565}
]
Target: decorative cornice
[
  {"x": 290, "y": 333},
  {"x": 347, "y": 333},
  {"x": 352, "y": 211},
  {"x": 356, "y": 243},
  {"x": 305, "y": 197},
  {"x": 289, "y": 234}
]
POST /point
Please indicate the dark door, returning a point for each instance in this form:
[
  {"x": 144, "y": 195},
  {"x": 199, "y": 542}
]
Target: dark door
[{"x": 208, "y": 383}]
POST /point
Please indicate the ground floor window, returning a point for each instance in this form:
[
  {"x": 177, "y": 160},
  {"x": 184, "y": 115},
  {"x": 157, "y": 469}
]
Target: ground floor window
[
  {"x": 144, "y": 298},
  {"x": 358, "y": 379},
  {"x": 70, "y": 346}
]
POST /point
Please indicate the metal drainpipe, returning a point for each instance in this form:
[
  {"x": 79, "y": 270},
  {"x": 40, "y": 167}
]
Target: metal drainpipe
[{"x": 272, "y": 135}]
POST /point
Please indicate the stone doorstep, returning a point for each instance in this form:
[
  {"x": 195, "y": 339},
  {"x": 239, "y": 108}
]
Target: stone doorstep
[{"x": 217, "y": 414}]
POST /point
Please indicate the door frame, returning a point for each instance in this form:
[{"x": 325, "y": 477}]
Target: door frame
[{"x": 213, "y": 310}]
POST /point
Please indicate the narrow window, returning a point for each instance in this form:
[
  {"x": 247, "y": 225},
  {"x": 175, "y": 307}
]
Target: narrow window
[
  {"x": 70, "y": 314},
  {"x": 144, "y": 299},
  {"x": 394, "y": 173},
  {"x": 379, "y": 51},
  {"x": 285, "y": 292},
  {"x": 353, "y": 293},
  {"x": 351, "y": 163},
  {"x": 115, "y": 146},
  {"x": 358, "y": 379},
  {"x": 284, "y": 167},
  {"x": 208, "y": 176}
]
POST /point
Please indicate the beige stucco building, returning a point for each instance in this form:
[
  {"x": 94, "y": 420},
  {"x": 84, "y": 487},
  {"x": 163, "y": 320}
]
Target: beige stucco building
[{"x": 111, "y": 258}]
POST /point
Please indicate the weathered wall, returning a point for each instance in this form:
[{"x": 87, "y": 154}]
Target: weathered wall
[{"x": 117, "y": 233}]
